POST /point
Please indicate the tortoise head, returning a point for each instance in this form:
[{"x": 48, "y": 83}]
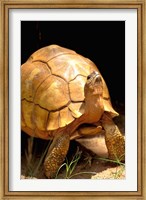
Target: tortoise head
[
  {"x": 93, "y": 92},
  {"x": 94, "y": 85}
]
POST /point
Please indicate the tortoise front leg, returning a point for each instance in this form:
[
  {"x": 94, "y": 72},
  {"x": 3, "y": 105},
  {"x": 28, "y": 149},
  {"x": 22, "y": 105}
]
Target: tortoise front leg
[
  {"x": 56, "y": 154},
  {"x": 115, "y": 141}
]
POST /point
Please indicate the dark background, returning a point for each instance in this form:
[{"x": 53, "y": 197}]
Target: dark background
[{"x": 103, "y": 42}]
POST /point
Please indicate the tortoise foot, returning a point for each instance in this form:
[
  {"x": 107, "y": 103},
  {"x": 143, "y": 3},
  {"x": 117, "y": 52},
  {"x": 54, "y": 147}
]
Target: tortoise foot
[
  {"x": 56, "y": 154},
  {"x": 115, "y": 141},
  {"x": 116, "y": 148}
]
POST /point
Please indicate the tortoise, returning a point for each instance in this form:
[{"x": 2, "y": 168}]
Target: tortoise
[{"x": 64, "y": 97}]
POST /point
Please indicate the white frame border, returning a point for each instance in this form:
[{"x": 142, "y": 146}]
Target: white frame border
[{"x": 130, "y": 18}]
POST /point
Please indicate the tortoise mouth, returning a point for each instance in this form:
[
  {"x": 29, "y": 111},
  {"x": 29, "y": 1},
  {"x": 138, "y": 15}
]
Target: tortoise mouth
[
  {"x": 97, "y": 79},
  {"x": 94, "y": 83}
]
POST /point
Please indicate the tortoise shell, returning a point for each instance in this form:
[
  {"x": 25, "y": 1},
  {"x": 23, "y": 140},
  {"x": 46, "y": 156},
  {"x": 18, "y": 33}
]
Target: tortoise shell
[{"x": 52, "y": 90}]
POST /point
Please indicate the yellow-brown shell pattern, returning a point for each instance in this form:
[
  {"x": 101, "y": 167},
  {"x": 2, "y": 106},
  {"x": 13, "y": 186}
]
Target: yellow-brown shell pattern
[{"x": 52, "y": 89}]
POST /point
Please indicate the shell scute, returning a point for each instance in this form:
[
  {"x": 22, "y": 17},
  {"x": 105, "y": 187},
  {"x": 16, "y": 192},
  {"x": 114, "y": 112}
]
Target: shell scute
[
  {"x": 69, "y": 66},
  {"x": 49, "y": 52},
  {"x": 53, "y": 121},
  {"x": 27, "y": 109},
  {"x": 33, "y": 74},
  {"x": 65, "y": 117},
  {"x": 52, "y": 94},
  {"x": 40, "y": 117},
  {"x": 76, "y": 88},
  {"x": 77, "y": 109}
]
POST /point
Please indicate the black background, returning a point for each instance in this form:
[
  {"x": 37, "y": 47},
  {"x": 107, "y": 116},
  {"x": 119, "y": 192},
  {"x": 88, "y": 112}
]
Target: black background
[{"x": 103, "y": 42}]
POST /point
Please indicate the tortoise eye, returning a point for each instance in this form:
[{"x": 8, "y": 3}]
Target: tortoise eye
[{"x": 88, "y": 77}]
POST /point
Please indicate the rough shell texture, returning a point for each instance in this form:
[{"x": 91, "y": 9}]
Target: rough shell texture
[{"x": 52, "y": 81}]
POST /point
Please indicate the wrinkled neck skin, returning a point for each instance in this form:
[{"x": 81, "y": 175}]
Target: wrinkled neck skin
[
  {"x": 93, "y": 108},
  {"x": 93, "y": 113}
]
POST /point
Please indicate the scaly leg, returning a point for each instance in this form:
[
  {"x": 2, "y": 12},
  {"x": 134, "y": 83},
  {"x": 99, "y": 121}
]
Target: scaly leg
[
  {"x": 115, "y": 141},
  {"x": 56, "y": 154}
]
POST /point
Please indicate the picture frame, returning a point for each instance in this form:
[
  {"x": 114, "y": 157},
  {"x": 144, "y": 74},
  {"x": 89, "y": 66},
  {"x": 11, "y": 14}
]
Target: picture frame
[{"x": 6, "y": 6}]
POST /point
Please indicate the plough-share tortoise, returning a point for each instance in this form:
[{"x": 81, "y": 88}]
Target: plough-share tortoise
[{"x": 65, "y": 97}]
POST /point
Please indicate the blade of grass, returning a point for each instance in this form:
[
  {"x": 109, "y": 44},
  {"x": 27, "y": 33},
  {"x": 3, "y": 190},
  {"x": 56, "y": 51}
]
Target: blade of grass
[
  {"x": 113, "y": 161},
  {"x": 70, "y": 166},
  {"x": 73, "y": 164},
  {"x": 41, "y": 159},
  {"x": 64, "y": 164}
]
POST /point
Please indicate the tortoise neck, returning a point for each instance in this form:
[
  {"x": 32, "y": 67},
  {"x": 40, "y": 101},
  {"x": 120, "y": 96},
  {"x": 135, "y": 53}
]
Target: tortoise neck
[{"x": 93, "y": 108}]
